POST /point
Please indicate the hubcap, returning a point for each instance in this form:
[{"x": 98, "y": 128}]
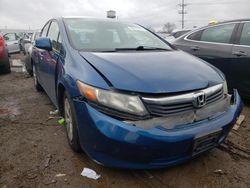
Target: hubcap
[{"x": 68, "y": 119}]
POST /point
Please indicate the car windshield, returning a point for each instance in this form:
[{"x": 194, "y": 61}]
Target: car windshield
[{"x": 96, "y": 35}]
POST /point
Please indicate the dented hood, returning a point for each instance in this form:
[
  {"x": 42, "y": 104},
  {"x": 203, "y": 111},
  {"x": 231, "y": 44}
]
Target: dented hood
[{"x": 153, "y": 72}]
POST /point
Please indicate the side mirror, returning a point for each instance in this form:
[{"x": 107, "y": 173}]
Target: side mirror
[{"x": 43, "y": 43}]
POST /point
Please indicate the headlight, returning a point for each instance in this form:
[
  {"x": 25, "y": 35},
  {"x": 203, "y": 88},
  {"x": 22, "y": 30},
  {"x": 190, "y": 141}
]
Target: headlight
[
  {"x": 225, "y": 89},
  {"x": 122, "y": 102}
]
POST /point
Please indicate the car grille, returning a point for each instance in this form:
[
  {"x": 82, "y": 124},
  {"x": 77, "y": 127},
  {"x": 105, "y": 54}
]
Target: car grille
[{"x": 170, "y": 105}]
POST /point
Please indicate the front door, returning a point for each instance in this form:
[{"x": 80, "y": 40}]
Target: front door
[
  {"x": 50, "y": 61},
  {"x": 240, "y": 63}
]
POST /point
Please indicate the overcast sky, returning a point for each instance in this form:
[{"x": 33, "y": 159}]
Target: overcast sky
[{"x": 25, "y": 14}]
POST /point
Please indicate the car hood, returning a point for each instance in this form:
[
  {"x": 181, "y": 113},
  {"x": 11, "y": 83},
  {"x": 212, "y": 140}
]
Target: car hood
[{"x": 153, "y": 72}]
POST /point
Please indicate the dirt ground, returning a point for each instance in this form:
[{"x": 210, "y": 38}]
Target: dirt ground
[{"x": 34, "y": 149}]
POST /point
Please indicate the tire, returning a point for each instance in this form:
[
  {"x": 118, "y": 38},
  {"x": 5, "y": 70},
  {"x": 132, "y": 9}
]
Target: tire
[
  {"x": 71, "y": 124},
  {"x": 28, "y": 65},
  {"x": 36, "y": 82},
  {"x": 5, "y": 68}
]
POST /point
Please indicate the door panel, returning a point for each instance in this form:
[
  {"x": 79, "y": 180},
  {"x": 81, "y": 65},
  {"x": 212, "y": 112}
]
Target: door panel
[
  {"x": 213, "y": 44},
  {"x": 240, "y": 69},
  {"x": 50, "y": 61},
  {"x": 240, "y": 62},
  {"x": 41, "y": 65},
  {"x": 216, "y": 54}
]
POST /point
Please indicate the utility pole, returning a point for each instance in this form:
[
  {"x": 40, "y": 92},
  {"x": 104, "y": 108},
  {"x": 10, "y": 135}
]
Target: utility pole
[{"x": 182, "y": 12}]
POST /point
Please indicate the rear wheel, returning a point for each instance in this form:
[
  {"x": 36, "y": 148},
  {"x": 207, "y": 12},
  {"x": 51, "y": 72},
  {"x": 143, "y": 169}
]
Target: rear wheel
[
  {"x": 36, "y": 82},
  {"x": 28, "y": 65},
  {"x": 70, "y": 124}
]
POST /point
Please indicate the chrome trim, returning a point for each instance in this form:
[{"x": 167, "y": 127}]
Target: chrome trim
[
  {"x": 182, "y": 98},
  {"x": 239, "y": 45},
  {"x": 183, "y": 120}
]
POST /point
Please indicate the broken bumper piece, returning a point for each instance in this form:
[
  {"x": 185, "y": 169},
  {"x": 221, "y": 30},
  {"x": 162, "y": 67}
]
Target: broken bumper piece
[{"x": 115, "y": 143}]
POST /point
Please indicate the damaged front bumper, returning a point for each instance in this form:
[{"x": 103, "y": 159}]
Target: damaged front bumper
[{"x": 115, "y": 143}]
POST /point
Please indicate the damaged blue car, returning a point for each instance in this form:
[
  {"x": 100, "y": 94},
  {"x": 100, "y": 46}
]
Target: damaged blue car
[{"x": 129, "y": 98}]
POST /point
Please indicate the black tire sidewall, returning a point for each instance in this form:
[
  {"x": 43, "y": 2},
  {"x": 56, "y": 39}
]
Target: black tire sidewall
[{"x": 5, "y": 68}]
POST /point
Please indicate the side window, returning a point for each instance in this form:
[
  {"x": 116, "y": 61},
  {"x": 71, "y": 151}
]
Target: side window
[
  {"x": 45, "y": 30},
  {"x": 10, "y": 37},
  {"x": 53, "y": 35},
  {"x": 195, "y": 35},
  {"x": 245, "y": 35},
  {"x": 219, "y": 34}
]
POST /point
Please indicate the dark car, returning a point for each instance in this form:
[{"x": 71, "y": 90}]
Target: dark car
[
  {"x": 177, "y": 33},
  {"x": 225, "y": 45},
  {"x": 129, "y": 99},
  {"x": 4, "y": 57}
]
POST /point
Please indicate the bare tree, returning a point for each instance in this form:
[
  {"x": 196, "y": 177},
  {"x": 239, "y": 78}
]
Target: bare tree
[{"x": 168, "y": 27}]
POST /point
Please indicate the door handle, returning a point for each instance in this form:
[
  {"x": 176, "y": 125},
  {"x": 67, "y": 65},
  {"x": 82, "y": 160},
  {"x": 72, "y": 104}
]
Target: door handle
[
  {"x": 195, "y": 48},
  {"x": 239, "y": 53}
]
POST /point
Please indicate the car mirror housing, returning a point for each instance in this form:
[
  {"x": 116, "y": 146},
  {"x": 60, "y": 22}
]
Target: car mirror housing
[{"x": 43, "y": 43}]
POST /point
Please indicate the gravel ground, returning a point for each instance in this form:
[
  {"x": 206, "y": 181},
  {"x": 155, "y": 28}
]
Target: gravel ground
[{"x": 34, "y": 149}]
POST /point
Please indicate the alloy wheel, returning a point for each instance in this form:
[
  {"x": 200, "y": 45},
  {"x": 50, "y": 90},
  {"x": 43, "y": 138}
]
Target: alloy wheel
[{"x": 68, "y": 119}]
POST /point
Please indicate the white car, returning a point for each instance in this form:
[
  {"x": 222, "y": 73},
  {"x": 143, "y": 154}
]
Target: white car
[{"x": 12, "y": 41}]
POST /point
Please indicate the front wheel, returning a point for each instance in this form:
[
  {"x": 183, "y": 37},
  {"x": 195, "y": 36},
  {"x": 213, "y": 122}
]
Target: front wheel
[{"x": 70, "y": 124}]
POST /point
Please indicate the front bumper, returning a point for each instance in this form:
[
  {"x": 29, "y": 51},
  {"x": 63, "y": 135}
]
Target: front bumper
[{"x": 117, "y": 144}]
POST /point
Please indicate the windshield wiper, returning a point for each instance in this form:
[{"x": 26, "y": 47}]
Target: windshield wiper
[{"x": 142, "y": 48}]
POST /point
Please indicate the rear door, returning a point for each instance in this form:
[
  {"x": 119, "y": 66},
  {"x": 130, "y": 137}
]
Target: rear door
[
  {"x": 240, "y": 63},
  {"x": 212, "y": 44}
]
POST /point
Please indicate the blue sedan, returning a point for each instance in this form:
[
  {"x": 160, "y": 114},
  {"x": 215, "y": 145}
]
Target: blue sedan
[{"x": 129, "y": 98}]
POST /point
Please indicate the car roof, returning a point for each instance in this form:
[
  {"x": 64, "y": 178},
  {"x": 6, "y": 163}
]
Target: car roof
[
  {"x": 218, "y": 23},
  {"x": 90, "y": 18},
  {"x": 96, "y": 19},
  {"x": 235, "y": 20}
]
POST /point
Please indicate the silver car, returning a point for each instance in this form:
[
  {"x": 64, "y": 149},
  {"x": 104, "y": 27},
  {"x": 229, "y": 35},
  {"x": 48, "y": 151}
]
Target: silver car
[
  {"x": 28, "y": 51},
  {"x": 12, "y": 41}
]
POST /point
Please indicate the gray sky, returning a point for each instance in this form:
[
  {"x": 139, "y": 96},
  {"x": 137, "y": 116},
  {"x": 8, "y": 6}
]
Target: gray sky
[{"x": 22, "y": 14}]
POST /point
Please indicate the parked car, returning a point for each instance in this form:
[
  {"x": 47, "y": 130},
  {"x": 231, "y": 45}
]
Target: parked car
[
  {"x": 28, "y": 52},
  {"x": 4, "y": 57},
  {"x": 179, "y": 32},
  {"x": 12, "y": 41},
  {"x": 226, "y": 45},
  {"x": 130, "y": 99},
  {"x": 25, "y": 39}
]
